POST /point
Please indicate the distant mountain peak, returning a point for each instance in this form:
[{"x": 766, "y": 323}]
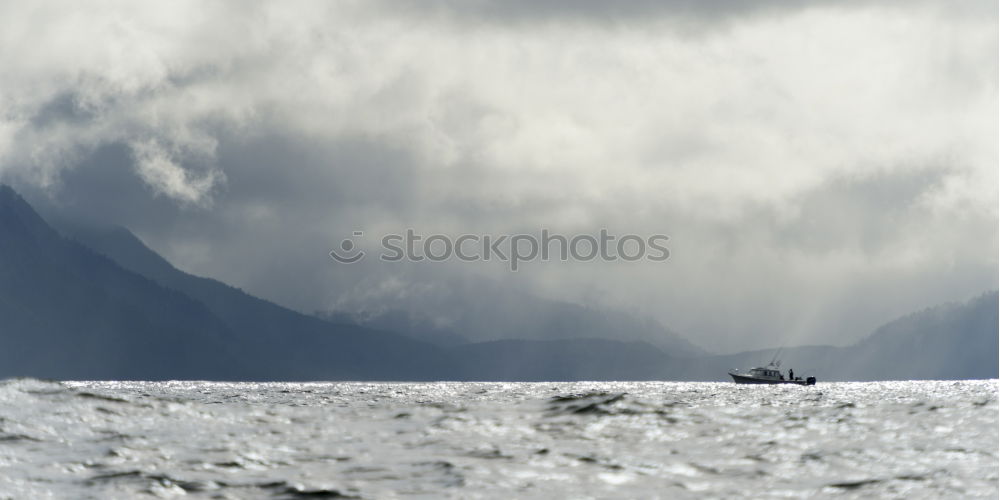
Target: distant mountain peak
[{"x": 17, "y": 217}]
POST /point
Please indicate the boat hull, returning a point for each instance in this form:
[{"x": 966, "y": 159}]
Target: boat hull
[{"x": 743, "y": 379}]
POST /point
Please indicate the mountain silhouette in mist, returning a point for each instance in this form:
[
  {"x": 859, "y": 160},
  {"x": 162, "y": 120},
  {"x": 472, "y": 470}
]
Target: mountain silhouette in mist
[
  {"x": 93, "y": 302},
  {"x": 951, "y": 341},
  {"x": 480, "y": 310},
  {"x": 945, "y": 342},
  {"x": 69, "y": 312},
  {"x": 66, "y": 311}
]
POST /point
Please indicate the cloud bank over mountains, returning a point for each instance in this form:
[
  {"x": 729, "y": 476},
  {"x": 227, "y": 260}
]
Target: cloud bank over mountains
[{"x": 819, "y": 169}]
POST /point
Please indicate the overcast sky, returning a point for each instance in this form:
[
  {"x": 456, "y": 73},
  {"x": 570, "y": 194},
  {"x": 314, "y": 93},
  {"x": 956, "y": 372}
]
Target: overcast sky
[{"x": 819, "y": 170}]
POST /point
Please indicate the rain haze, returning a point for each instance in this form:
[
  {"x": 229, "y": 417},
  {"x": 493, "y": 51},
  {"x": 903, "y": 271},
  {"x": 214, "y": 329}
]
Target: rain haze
[{"x": 820, "y": 169}]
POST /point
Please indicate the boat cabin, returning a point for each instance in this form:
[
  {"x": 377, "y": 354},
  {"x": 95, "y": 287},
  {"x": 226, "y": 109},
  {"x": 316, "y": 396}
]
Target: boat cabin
[{"x": 765, "y": 373}]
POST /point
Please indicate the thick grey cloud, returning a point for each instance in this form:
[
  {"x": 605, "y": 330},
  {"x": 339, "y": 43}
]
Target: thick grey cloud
[
  {"x": 690, "y": 16},
  {"x": 820, "y": 169}
]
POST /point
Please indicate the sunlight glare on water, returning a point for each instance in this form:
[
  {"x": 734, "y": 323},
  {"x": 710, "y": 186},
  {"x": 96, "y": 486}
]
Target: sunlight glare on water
[{"x": 533, "y": 440}]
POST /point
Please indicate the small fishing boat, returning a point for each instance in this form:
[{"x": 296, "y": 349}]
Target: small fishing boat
[{"x": 769, "y": 374}]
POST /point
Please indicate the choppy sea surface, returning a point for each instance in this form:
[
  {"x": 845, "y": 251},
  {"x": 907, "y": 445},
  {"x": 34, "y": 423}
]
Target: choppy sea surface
[{"x": 917, "y": 439}]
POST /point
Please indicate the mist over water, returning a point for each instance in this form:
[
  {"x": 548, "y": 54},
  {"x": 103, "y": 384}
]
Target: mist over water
[{"x": 497, "y": 440}]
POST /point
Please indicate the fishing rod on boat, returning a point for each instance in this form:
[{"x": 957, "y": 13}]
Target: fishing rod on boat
[{"x": 775, "y": 361}]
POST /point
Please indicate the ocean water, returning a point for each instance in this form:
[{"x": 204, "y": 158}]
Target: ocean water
[{"x": 914, "y": 439}]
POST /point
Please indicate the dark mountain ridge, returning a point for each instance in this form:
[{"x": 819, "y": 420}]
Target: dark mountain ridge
[
  {"x": 70, "y": 312},
  {"x": 98, "y": 304},
  {"x": 67, "y": 312},
  {"x": 946, "y": 342}
]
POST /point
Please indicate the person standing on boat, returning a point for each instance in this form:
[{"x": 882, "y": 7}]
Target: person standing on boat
[{"x": 791, "y": 374}]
